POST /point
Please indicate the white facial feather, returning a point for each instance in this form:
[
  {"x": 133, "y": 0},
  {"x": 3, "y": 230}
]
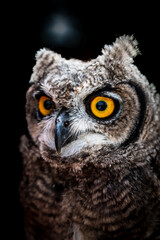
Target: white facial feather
[
  {"x": 85, "y": 140},
  {"x": 80, "y": 125},
  {"x": 47, "y": 135}
]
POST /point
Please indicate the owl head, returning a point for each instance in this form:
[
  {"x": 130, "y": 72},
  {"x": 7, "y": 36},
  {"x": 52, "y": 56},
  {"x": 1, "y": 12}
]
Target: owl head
[{"x": 100, "y": 111}]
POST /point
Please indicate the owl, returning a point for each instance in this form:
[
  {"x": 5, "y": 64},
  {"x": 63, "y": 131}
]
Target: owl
[{"x": 91, "y": 157}]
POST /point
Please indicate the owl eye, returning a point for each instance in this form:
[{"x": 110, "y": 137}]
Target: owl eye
[
  {"x": 45, "y": 105},
  {"x": 102, "y": 107}
]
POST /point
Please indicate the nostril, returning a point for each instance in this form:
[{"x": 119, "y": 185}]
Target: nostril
[
  {"x": 66, "y": 123},
  {"x": 58, "y": 120}
]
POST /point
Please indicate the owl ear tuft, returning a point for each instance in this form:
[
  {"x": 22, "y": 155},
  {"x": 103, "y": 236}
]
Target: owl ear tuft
[
  {"x": 40, "y": 53},
  {"x": 125, "y": 48},
  {"x": 45, "y": 59}
]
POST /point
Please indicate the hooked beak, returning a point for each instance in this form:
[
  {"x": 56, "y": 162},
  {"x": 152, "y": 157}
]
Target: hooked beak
[{"x": 62, "y": 134}]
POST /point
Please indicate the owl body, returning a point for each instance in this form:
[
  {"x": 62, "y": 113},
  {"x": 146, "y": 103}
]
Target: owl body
[{"x": 92, "y": 157}]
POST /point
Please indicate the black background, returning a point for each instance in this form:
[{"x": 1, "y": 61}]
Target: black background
[{"x": 24, "y": 22}]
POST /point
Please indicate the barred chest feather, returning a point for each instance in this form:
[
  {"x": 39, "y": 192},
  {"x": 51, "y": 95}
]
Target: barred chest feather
[{"x": 107, "y": 204}]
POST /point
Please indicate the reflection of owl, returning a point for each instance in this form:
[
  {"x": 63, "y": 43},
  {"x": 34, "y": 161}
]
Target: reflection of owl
[{"x": 92, "y": 157}]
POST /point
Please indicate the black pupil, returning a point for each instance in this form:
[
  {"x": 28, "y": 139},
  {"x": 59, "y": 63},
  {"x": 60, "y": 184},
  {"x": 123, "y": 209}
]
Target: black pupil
[
  {"x": 101, "y": 105},
  {"x": 48, "y": 104}
]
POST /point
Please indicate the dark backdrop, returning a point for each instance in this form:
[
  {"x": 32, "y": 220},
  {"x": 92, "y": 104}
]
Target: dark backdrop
[{"x": 76, "y": 29}]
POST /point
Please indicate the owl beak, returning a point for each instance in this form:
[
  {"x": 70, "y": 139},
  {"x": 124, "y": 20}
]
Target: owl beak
[{"x": 62, "y": 134}]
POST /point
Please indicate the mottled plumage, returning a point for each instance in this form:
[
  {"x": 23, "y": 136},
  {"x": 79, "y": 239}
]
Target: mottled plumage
[{"x": 87, "y": 177}]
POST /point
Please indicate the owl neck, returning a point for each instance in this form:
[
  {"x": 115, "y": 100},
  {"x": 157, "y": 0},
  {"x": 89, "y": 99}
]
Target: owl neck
[{"x": 90, "y": 167}]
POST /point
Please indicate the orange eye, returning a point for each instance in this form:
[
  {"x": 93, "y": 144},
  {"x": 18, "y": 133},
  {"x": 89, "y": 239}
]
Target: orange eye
[
  {"x": 46, "y": 105},
  {"x": 102, "y": 107}
]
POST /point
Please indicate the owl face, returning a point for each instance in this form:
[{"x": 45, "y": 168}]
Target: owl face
[{"x": 75, "y": 107}]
